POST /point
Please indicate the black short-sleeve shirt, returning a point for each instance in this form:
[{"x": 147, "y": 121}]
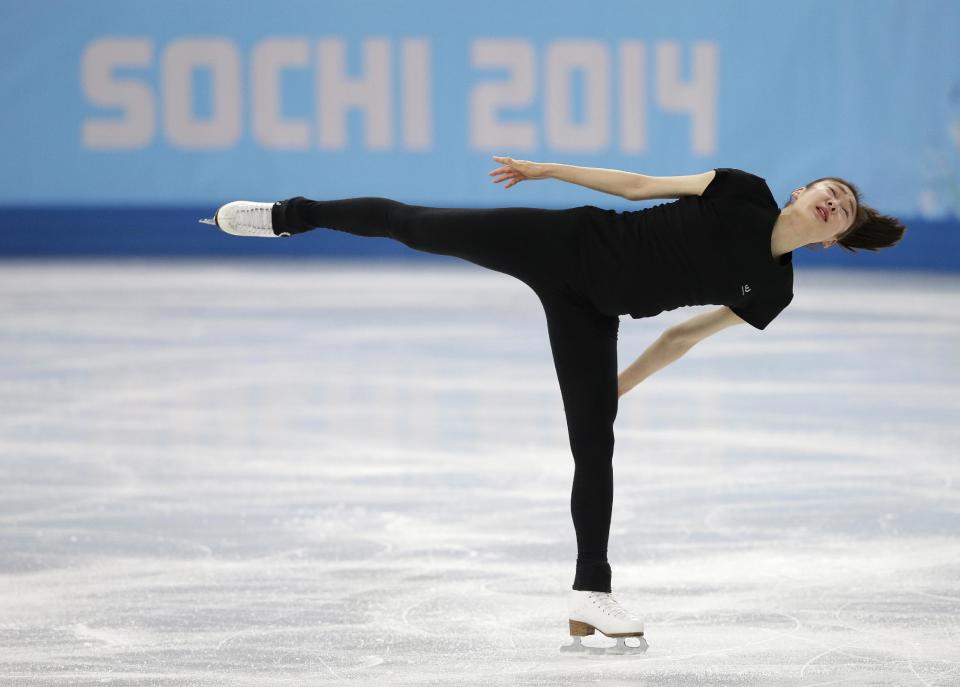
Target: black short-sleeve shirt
[{"x": 698, "y": 250}]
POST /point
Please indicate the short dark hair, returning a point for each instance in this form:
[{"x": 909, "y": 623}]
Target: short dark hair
[{"x": 870, "y": 230}]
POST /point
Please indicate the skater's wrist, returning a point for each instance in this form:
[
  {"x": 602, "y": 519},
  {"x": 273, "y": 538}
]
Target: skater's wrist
[
  {"x": 550, "y": 169},
  {"x": 559, "y": 171}
]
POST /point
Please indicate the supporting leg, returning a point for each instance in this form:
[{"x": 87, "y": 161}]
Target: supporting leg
[{"x": 584, "y": 346}]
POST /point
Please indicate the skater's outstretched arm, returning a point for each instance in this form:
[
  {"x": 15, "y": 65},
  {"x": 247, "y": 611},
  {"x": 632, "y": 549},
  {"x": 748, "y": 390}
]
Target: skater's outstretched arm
[
  {"x": 673, "y": 343},
  {"x": 628, "y": 185}
]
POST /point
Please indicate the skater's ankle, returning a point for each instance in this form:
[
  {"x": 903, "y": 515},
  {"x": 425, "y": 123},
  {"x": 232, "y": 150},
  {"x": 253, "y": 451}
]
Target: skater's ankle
[
  {"x": 285, "y": 218},
  {"x": 593, "y": 575}
]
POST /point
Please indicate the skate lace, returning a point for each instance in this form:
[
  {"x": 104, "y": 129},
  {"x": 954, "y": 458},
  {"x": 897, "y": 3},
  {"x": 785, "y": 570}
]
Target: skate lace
[
  {"x": 255, "y": 216},
  {"x": 610, "y": 606}
]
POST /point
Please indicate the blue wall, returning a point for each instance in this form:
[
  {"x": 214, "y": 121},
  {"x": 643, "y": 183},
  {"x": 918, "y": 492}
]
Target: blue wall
[{"x": 117, "y": 107}]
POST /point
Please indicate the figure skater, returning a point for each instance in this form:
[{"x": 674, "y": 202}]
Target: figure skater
[{"x": 724, "y": 241}]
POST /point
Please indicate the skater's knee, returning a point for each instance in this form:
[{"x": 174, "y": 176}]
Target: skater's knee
[
  {"x": 593, "y": 448},
  {"x": 404, "y": 222},
  {"x": 594, "y": 425}
]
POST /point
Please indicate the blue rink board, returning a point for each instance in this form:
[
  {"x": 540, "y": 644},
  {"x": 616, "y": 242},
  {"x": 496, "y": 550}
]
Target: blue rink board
[{"x": 171, "y": 232}]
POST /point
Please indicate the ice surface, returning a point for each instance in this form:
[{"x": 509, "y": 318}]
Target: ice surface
[{"x": 297, "y": 474}]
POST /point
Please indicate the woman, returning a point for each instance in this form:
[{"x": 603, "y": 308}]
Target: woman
[{"x": 724, "y": 241}]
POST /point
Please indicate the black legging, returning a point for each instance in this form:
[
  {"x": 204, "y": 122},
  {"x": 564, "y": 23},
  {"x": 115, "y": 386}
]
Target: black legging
[{"x": 541, "y": 248}]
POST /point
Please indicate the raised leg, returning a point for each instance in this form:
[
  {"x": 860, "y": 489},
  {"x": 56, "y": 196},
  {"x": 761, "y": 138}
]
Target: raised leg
[{"x": 538, "y": 246}]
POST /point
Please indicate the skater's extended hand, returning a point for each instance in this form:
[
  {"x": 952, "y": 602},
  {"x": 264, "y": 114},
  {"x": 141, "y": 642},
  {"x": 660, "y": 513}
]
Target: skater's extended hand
[{"x": 517, "y": 171}]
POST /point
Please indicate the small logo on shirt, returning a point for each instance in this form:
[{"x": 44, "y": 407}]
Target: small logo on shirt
[{"x": 745, "y": 289}]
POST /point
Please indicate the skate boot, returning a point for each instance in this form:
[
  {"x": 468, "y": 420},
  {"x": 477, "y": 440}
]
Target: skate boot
[
  {"x": 245, "y": 218},
  {"x": 600, "y": 612}
]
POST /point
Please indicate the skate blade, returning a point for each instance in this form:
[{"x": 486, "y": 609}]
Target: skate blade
[
  {"x": 578, "y": 647},
  {"x": 624, "y": 649},
  {"x": 209, "y": 220},
  {"x": 620, "y": 649}
]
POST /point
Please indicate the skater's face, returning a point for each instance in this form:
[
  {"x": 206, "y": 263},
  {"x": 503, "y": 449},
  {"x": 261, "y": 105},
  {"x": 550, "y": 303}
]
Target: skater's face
[{"x": 825, "y": 209}]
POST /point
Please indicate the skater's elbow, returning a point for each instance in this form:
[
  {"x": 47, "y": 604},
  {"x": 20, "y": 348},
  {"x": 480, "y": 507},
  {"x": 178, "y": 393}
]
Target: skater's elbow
[{"x": 646, "y": 187}]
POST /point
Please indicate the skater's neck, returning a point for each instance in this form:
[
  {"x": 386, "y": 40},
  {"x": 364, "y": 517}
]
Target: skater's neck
[{"x": 787, "y": 234}]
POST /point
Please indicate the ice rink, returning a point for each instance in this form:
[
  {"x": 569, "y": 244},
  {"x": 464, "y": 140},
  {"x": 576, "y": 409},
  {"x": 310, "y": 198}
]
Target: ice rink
[{"x": 305, "y": 473}]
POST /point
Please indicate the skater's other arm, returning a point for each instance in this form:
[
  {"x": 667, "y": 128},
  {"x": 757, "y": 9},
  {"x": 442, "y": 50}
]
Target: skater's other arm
[
  {"x": 673, "y": 343},
  {"x": 628, "y": 185}
]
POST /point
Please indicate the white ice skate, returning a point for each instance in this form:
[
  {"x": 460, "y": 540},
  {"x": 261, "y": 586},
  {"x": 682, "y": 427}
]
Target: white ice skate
[
  {"x": 600, "y": 612},
  {"x": 245, "y": 218}
]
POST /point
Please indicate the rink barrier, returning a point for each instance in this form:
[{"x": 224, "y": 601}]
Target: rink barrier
[{"x": 174, "y": 232}]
